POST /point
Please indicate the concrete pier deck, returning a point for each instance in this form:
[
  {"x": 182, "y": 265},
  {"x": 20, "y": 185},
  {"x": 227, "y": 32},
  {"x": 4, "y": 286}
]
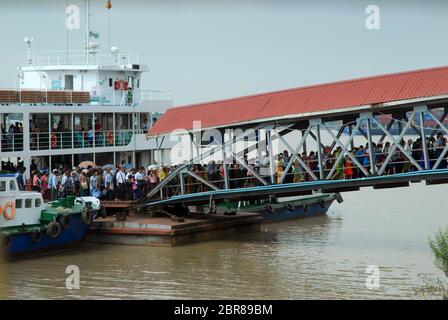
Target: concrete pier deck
[{"x": 163, "y": 231}]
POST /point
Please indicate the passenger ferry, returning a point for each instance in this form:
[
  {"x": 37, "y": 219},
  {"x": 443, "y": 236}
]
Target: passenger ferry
[
  {"x": 30, "y": 227},
  {"x": 73, "y": 106}
]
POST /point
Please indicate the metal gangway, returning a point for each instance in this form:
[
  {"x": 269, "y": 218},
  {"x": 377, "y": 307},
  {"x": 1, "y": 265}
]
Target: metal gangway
[{"x": 320, "y": 177}]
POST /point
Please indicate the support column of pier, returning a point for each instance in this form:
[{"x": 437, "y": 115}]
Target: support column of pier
[
  {"x": 305, "y": 150},
  {"x": 316, "y": 123},
  {"x": 224, "y": 161},
  {"x": 420, "y": 111},
  {"x": 367, "y": 118}
]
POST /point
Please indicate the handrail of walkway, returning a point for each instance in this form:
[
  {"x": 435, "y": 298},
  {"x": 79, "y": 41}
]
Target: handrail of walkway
[{"x": 277, "y": 189}]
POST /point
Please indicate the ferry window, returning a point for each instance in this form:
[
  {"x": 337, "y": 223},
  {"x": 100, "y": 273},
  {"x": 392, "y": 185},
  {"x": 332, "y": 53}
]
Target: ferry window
[
  {"x": 18, "y": 203},
  {"x": 111, "y": 82},
  {"x": 2, "y": 186},
  {"x": 68, "y": 82},
  {"x": 37, "y": 203},
  {"x": 28, "y": 203},
  {"x": 12, "y": 185}
]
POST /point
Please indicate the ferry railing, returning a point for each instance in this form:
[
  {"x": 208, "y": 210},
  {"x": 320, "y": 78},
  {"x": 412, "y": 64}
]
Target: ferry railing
[
  {"x": 79, "y": 139},
  {"x": 11, "y": 142},
  {"x": 154, "y": 95},
  {"x": 59, "y": 97},
  {"x": 76, "y": 57},
  {"x": 123, "y": 98}
]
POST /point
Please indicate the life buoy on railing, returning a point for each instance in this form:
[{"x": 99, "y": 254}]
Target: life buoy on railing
[{"x": 9, "y": 210}]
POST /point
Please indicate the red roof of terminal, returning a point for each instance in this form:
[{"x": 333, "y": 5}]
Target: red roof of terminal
[{"x": 317, "y": 98}]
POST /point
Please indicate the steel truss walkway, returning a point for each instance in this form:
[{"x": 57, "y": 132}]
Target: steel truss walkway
[{"x": 407, "y": 116}]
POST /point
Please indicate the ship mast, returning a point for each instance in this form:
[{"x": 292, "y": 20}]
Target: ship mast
[{"x": 87, "y": 4}]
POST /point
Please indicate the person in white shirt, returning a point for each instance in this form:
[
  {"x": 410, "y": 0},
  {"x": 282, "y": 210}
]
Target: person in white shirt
[
  {"x": 53, "y": 185},
  {"x": 109, "y": 184},
  {"x": 121, "y": 184}
]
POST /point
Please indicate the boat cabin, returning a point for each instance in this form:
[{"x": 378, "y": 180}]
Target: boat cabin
[{"x": 18, "y": 207}]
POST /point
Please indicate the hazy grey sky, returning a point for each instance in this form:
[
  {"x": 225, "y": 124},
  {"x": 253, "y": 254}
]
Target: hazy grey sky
[{"x": 206, "y": 50}]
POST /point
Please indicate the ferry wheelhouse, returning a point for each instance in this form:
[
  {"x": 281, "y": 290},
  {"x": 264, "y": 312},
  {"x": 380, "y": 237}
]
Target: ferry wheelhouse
[{"x": 71, "y": 107}]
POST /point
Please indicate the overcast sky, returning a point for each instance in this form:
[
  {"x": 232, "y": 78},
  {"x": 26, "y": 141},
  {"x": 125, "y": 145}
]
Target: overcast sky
[{"x": 207, "y": 50}]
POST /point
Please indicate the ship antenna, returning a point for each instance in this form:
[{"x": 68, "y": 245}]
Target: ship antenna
[
  {"x": 28, "y": 42},
  {"x": 87, "y": 3},
  {"x": 66, "y": 33},
  {"x": 108, "y": 7}
]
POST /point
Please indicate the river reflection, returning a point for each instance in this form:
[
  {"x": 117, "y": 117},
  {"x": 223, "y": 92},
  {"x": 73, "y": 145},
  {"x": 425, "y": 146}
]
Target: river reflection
[{"x": 322, "y": 257}]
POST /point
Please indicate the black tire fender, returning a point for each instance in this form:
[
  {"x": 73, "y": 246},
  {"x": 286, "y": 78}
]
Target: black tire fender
[
  {"x": 65, "y": 221},
  {"x": 5, "y": 239},
  {"x": 54, "y": 230},
  {"x": 36, "y": 235}
]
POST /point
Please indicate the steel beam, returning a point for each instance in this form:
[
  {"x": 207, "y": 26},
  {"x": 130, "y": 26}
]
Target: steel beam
[
  {"x": 371, "y": 151},
  {"x": 341, "y": 130},
  {"x": 397, "y": 145},
  {"x": 315, "y": 139},
  {"x": 444, "y": 128},
  {"x": 442, "y": 118},
  {"x": 294, "y": 155},
  {"x": 182, "y": 183},
  {"x": 389, "y": 126},
  {"x": 319, "y": 151},
  {"x": 344, "y": 149},
  {"x": 245, "y": 165},
  {"x": 224, "y": 162},
  {"x": 271, "y": 155},
  {"x": 197, "y": 177}
]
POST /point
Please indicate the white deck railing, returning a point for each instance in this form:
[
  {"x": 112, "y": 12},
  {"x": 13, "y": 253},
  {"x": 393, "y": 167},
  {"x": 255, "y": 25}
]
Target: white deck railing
[{"x": 73, "y": 58}]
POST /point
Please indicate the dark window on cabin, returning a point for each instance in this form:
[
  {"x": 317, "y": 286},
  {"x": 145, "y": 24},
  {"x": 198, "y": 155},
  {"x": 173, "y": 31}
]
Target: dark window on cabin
[
  {"x": 18, "y": 203},
  {"x": 28, "y": 203},
  {"x": 111, "y": 82}
]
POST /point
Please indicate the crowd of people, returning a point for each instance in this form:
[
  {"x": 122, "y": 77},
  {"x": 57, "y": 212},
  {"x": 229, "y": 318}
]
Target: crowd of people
[{"x": 119, "y": 183}]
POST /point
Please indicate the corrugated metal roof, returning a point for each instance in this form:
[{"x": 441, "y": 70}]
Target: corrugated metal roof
[{"x": 317, "y": 98}]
